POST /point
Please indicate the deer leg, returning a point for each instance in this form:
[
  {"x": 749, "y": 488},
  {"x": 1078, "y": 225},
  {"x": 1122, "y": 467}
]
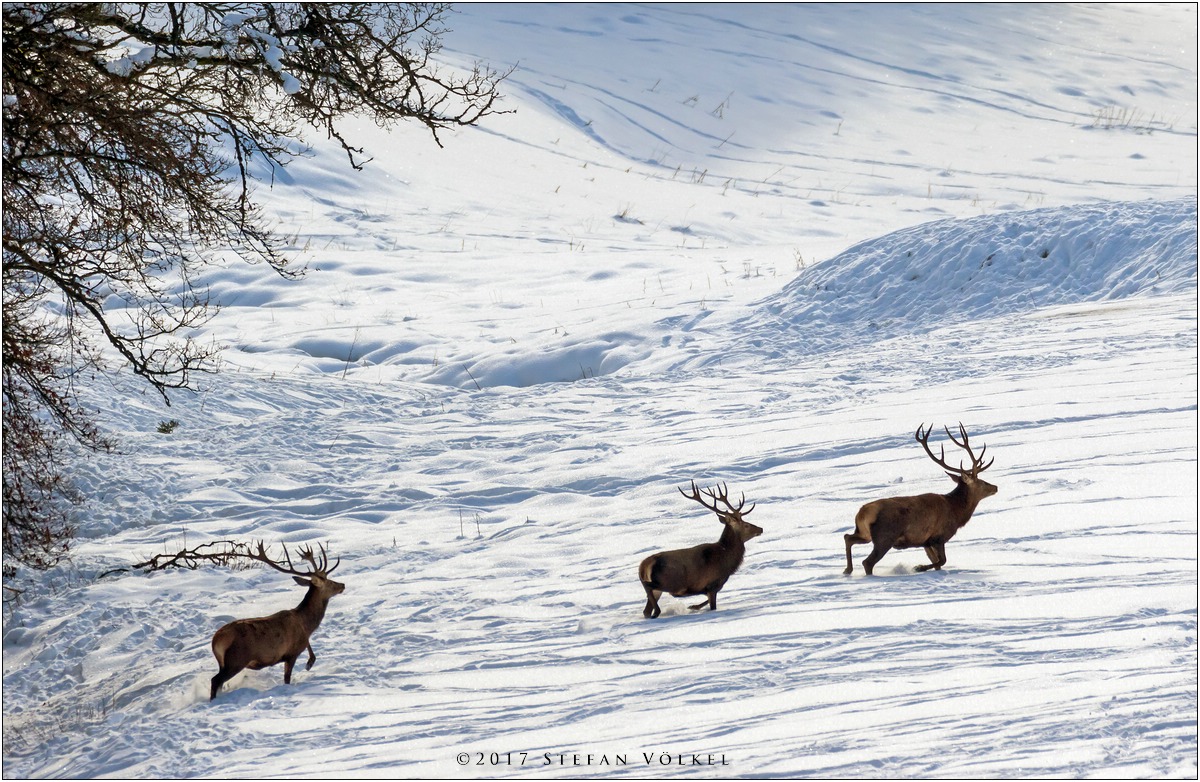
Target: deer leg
[
  {"x": 288, "y": 662},
  {"x": 937, "y": 557},
  {"x": 223, "y": 675},
  {"x": 652, "y": 610},
  {"x": 312, "y": 657},
  {"x": 711, "y": 602},
  {"x": 711, "y": 593},
  {"x": 881, "y": 548},
  {"x": 864, "y": 522},
  {"x": 851, "y": 540}
]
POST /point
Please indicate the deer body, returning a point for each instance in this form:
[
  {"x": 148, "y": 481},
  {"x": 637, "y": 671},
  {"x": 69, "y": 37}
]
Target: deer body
[
  {"x": 699, "y": 570},
  {"x": 923, "y": 521},
  {"x": 279, "y": 638}
]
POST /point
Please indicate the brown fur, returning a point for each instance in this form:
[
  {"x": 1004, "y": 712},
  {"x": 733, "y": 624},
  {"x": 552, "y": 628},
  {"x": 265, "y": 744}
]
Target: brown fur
[
  {"x": 922, "y": 521},
  {"x": 699, "y": 570}
]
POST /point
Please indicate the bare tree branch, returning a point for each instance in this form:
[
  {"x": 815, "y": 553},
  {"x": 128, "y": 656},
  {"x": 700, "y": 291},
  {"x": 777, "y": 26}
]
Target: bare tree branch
[{"x": 131, "y": 134}]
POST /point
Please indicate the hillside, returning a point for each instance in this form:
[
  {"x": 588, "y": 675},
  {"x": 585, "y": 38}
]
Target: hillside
[{"x": 755, "y": 245}]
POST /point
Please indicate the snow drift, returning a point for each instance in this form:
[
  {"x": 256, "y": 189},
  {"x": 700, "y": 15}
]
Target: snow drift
[{"x": 954, "y": 271}]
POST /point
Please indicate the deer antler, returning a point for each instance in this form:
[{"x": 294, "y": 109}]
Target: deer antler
[
  {"x": 721, "y": 495},
  {"x": 695, "y": 495},
  {"x": 322, "y": 568},
  {"x": 977, "y": 465},
  {"x": 318, "y": 568}
]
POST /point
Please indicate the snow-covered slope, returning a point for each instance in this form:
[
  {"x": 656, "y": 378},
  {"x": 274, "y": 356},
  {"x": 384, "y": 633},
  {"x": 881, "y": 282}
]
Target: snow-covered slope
[
  {"x": 951, "y": 272},
  {"x": 754, "y": 244}
]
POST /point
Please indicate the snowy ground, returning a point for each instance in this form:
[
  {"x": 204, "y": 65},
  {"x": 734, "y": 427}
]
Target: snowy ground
[{"x": 753, "y": 244}]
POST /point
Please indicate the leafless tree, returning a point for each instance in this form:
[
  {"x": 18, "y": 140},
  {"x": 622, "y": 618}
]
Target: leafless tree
[{"x": 130, "y": 135}]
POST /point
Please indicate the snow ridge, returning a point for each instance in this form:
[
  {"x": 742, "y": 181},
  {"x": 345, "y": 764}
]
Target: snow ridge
[{"x": 954, "y": 271}]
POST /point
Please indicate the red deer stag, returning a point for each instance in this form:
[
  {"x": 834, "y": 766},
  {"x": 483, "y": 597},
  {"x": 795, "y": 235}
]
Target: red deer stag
[
  {"x": 927, "y": 520},
  {"x": 704, "y": 569},
  {"x": 280, "y": 637}
]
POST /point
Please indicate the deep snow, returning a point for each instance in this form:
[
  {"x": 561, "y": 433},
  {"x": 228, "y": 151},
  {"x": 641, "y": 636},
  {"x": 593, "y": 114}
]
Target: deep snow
[{"x": 754, "y": 244}]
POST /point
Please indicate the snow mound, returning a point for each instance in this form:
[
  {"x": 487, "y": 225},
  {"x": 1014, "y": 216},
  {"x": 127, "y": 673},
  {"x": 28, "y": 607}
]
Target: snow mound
[
  {"x": 954, "y": 271},
  {"x": 549, "y": 363}
]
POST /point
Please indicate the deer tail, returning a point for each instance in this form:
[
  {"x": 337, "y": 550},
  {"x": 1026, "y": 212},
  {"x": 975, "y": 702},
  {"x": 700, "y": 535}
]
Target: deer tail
[
  {"x": 863, "y": 521},
  {"x": 221, "y": 642},
  {"x": 647, "y": 571}
]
